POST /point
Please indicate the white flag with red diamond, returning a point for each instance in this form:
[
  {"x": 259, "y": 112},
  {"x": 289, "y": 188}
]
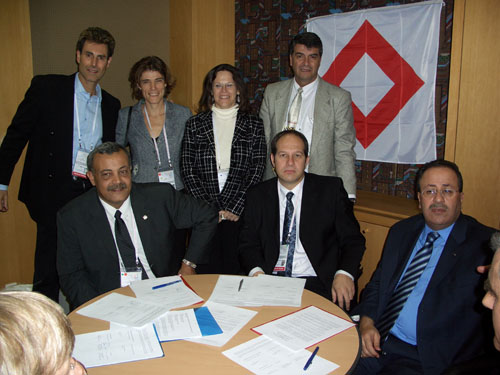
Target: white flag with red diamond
[{"x": 387, "y": 58}]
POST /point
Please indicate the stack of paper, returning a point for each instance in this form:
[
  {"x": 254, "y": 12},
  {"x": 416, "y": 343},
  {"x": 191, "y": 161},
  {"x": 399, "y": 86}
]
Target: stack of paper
[
  {"x": 264, "y": 290},
  {"x": 281, "y": 348}
]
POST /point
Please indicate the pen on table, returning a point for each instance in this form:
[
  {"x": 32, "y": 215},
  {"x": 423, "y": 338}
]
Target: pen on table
[
  {"x": 309, "y": 361},
  {"x": 241, "y": 283},
  {"x": 167, "y": 284}
]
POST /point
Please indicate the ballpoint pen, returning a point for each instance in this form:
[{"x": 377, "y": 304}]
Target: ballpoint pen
[
  {"x": 309, "y": 361},
  {"x": 241, "y": 283},
  {"x": 167, "y": 284}
]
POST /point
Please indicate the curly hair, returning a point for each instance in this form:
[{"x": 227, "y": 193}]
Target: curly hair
[{"x": 152, "y": 63}]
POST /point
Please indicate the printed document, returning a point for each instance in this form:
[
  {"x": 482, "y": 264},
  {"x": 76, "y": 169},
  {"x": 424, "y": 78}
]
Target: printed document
[
  {"x": 264, "y": 356},
  {"x": 125, "y": 310},
  {"x": 117, "y": 346},
  {"x": 304, "y": 328},
  {"x": 169, "y": 292},
  {"x": 230, "y": 319}
]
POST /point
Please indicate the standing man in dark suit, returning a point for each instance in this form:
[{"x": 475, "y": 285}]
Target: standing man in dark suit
[
  {"x": 316, "y": 108},
  {"x": 302, "y": 225},
  {"x": 121, "y": 230},
  {"x": 61, "y": 118},
  {"x": 421, "y": 312}
]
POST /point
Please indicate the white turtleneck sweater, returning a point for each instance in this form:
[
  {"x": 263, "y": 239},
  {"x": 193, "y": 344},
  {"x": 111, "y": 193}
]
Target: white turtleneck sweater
[{"x": 224, "y": 121}]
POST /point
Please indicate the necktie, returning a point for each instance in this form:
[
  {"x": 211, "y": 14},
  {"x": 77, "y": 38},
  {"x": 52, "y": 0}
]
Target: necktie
[
  {"x": 406, "y": 285},
  {"x": 293, "y": 113},
  {"x": 125, "y": 245},
  {"x": 289, "y": 235}
]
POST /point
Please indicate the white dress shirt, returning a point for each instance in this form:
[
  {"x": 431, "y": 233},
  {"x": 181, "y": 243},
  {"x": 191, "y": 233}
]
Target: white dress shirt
[{"x": 129, "y": 219}]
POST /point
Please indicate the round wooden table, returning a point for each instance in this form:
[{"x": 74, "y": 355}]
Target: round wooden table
[{"x": 184, "y": 357}]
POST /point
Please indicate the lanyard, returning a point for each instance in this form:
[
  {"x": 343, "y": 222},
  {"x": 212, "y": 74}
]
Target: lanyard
[
  {"x": 78, "y": 121},
  {"x": 164, "y": 136}
]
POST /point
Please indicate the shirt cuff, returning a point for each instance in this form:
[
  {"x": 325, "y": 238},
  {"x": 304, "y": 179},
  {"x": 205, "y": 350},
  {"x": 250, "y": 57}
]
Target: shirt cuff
[
  {"x": 4, "y": 187},
  {"x": 340, "y": 272},
  {"x": 254, "y": 270}
]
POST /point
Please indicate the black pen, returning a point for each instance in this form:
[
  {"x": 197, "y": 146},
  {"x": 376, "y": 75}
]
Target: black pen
[
  {"x": 309, "y": 361},
  {"x": 241, "y": 283}
]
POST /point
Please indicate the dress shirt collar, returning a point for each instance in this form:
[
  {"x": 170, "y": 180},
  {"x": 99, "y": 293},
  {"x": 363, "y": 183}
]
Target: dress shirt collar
[
  {"x": 307, "y": 89},
  {"x": 443, "y": 233},
  {"x": 82, "y": 93},
  {"x": 125, "y": 209},
  {"x": 297, "y": 190}
]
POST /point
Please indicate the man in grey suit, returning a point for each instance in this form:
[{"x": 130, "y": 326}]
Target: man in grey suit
[
  {"x": 120, "y": 231},
  {"x": 319, "y": 110}
]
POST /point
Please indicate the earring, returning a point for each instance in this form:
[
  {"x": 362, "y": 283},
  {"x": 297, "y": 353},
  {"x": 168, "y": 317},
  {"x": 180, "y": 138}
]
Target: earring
[{"x": 238, "y": 98}]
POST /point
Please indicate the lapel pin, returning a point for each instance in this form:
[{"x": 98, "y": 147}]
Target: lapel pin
[{"x": 145, "y": 217}]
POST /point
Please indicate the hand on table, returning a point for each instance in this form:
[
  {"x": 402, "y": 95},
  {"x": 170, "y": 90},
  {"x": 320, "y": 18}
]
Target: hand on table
[
  {"x": 343, "y": 290},
  {"x": 186, "y": 270}
]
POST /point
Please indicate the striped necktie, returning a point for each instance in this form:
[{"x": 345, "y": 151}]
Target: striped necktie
[
  {"x": 293, "y": 113},
  {"x": 406, "y": 285}
]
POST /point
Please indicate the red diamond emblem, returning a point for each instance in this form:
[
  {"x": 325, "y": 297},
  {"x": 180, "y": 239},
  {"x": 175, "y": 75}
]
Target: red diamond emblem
[{"x": 406, "y": 82}]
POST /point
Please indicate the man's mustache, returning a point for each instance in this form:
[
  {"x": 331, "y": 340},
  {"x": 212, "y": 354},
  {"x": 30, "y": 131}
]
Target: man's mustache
[
  {"x": 120, "y": 186},
  {"x": 438, "y": 205}
]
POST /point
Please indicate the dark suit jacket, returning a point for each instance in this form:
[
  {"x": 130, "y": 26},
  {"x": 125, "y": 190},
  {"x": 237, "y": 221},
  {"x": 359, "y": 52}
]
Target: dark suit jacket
[
  {"x": 44, "y": 120},
  {"x": 87, "y": 259},
  {"x": 450, "y": 315},
  {"x": 328, "y": 230},
  {"x": 199, "y": 165}
]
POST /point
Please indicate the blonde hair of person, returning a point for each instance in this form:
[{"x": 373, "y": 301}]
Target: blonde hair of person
[{"x": 35, "y": 335}]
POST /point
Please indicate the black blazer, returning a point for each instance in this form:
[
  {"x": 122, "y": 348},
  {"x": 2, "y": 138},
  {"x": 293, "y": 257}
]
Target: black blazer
[
  {"x": 87, "y": 259},
  {"x": 44, "y": 120},
  {"x": 450, "y": 316},
  {"x": 328, "y": 231},
  {"x": 199, "y": 166}
]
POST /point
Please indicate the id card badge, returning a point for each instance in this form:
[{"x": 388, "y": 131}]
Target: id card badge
[
  {"x": 80, "y": 168},
  {"x": 281, "y": 263},
  {"x": 222, "y": 177},
  {"x": 130, "y": 274},
  {"x": 167, "y": 176}
]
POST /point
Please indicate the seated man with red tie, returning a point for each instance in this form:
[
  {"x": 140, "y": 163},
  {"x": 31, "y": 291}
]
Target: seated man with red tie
[
  {"x": 121, "y": 231},
  {"x": 421, "y": 312},
  {"x": 302, "y": 225}
]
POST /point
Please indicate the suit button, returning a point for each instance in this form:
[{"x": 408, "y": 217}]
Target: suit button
[
  {"x": 52, "y": 132},
  {"x": 51, "y": 175},
  {"x": 51, "y": 154}
]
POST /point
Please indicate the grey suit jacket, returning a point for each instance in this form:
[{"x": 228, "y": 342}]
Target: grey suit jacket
[
  {"x": 87, "y": 259},
  {"x": 142, "y": 149},
  {"x": 333, "y": 138}
]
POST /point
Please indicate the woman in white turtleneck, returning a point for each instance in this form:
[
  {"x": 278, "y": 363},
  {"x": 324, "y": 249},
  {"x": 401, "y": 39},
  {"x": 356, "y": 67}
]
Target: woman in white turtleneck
[{"x": 223, "y": 154}]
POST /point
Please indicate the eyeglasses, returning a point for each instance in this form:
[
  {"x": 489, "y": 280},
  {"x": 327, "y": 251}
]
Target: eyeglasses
[
  {"x": 445, "y": 193},
  {"x": 228, "y": 86}
]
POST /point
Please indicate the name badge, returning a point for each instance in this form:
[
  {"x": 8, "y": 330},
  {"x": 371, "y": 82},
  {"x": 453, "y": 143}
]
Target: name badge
[
  {"x": 80, "y": 168},
  {"x": 222, "y": 177},
  {"x": 130, "y": 275},
  {"x": 281, "y": 263},
  {"x": 167, "y": 176}
]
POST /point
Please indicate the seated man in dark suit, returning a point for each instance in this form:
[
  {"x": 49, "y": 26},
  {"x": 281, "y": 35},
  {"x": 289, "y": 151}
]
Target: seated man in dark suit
[
  {"x": 120, "y": 231},
  {"x": 421, "y": 312},
  {"x": 302, "y": 225}
]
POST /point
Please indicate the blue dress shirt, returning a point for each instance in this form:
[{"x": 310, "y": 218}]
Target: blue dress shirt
[{"x": 405, "y": 327}]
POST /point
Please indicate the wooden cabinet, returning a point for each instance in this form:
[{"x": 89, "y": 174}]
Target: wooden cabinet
[{"x": 376, "y": 214}]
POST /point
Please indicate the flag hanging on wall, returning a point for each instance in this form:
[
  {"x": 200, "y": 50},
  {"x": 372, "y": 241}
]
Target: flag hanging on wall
[{"x": 387, "y": 58}]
